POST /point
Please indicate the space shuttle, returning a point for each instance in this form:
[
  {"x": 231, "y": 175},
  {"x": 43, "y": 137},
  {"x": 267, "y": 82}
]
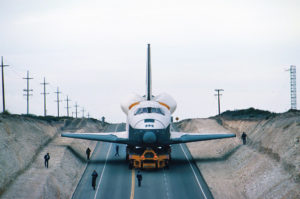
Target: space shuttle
[{"x": 148, "y": 121}]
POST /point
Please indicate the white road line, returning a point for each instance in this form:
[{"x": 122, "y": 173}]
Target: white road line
[
  {"x": 166, "y": 185},
  {"x": 102, "y": 171},
  {"x": 193, "y": 172},
  {"x": 104, "y": 166}
]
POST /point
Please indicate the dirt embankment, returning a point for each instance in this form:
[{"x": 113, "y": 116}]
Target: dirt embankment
[
  {"x": 267, "y": 167},
  {"x": 23, "y": 143}
]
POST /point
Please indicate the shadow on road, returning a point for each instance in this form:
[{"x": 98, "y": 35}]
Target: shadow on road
[
  {"x": 175, "y": 160},
  {"x": 109, "y": 161},
  {"x": 207, "y": 159}
]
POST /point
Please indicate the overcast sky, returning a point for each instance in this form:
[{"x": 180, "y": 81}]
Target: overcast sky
[{"x": 95, "y": 52}]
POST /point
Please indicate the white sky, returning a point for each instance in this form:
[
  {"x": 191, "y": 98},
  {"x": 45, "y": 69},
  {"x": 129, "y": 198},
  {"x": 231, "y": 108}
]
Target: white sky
[{"x": 95, "y": 52}]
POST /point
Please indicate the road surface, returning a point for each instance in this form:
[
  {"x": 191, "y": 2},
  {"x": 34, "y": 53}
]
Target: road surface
[{"x": 115, "y": 180}]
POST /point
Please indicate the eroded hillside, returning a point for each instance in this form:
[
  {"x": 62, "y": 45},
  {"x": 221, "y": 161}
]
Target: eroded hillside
[
  {"x": 23, "y": 143},
  {"x": 267, "y": 167}
]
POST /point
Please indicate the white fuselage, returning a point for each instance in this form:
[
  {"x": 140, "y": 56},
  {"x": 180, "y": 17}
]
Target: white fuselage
[
  {"x": 148, "y": 123},
  {"x": 160, "y": 115}
]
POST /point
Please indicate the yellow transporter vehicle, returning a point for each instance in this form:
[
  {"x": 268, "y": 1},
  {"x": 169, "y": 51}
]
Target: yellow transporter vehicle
[{"x": 149, "y": 159}]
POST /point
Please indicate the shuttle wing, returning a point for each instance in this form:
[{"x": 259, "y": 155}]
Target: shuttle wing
[
  {"x": 182, "y": 137},
  {"x": 116, "y": 137}
]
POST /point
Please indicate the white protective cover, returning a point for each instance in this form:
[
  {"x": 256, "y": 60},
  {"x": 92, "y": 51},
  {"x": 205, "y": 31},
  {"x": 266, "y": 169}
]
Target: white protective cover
[
  {"x": 129, "y": 100},
  {"x": 168, "y": 100}
]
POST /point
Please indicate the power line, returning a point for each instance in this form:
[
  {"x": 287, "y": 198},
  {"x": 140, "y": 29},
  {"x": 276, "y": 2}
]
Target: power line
[
  {"x": 76, "y": 106},
  {"x": 27, "y": 90},
  {"x": 67, "y": 100},
  {"x": 44, "y": 93},
  {"x": 57, "y": 93},
  {"x": 82, "y": 112},
  {"x": 3, "y": 93},
  {"x": 219, "y": 90}
]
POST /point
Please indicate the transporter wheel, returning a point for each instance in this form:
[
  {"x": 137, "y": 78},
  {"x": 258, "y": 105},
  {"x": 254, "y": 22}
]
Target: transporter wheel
[
  {"x": 167, "y": 166},
  {"x": 127, "y": 153},
  {"x": 130, "y": 165}
]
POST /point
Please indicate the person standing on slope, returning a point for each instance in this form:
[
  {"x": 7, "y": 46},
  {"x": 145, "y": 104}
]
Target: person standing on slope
[
  {"x": 47, "y": 158},
  {"x": 244, "y": 138},
  {"x": 88, "y": 152}
]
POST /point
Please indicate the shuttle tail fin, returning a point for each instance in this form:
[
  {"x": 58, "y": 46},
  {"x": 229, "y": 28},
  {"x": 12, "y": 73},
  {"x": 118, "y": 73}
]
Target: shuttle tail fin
[{"x": 148, "y": 76}]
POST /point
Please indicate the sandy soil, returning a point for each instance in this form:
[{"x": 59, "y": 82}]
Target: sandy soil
[
  {"x": 267, "y": 167},
  {"x": 25, "y": 141}
]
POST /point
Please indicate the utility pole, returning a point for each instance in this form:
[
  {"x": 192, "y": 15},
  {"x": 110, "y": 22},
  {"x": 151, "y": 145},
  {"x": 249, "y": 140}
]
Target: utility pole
[
  {"x": 88, "y": 115},
  {"x": 57, "y": 93},
  {"x": 3, "y": 93},
  {"x": 67, "y": 100},
  {"x": 44, "y": 93},
  {"x": 219, "y": 90},
  {"x": 76, "y": 106},
  {"x": 27, "y": 90},
  {"x": 82, "y": 112}
]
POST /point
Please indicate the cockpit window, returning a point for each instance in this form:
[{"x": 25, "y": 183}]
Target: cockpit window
[{"x": 149, "y": 110}]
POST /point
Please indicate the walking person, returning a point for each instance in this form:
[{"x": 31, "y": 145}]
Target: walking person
[
  {"x": 47, "y": 158},
  {"x": 117, "y": 151},
  {"x": 244, "y": 138},
  {"x": 139, "y": 177},
  {"x": 88, "y": 152},
  {"x": 94, "y": 178}
]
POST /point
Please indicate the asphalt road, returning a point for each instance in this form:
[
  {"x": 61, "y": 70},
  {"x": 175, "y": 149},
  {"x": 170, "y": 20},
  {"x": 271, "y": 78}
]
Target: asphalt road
[{"x": 115, "y": 180}]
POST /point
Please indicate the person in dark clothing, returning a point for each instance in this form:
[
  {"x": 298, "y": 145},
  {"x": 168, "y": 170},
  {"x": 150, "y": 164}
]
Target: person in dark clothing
[
  {"x": 47, "y": 158},
  {"x": 244, "y": 137},
  {"x": 139, "y": 177},
  {"x": 117, "y": 150},
  {"x": 94, "y": 177},
  {"x": 88, "y": 152}
]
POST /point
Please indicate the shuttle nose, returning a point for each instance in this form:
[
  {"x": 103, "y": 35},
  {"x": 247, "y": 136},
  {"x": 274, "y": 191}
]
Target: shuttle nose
[{"x": 149, "y": 137}]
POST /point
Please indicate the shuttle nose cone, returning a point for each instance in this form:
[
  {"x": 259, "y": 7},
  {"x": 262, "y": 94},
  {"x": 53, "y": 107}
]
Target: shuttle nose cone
[{"x": 149, "y": 137}]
